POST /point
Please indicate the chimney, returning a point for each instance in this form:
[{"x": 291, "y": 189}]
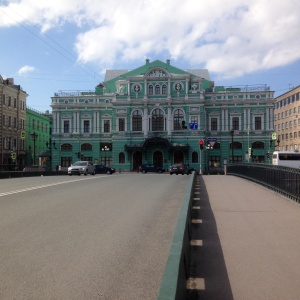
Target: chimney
[
  {"x": 168, "y": 62},
  {"x": 147, "y": 61}
]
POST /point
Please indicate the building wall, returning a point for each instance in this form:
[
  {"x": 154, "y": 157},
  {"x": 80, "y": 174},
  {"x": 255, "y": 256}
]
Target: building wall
[
  {"x": 38, "y": 139},
  {"x": 12, "y": 120},
  {"x": 287, "y": 120},
  {"x": 215, "y": 108}
]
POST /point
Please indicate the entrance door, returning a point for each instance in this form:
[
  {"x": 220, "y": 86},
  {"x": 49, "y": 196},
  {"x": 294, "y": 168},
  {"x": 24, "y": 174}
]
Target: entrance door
[
  {"x": 137, "y": 159},
  {"x": 158, "y": 158},
  {"x": 178, "y": 157}
]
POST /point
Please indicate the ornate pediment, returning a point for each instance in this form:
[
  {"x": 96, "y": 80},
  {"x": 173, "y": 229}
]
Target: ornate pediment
[{"x": 157, "y": 73}]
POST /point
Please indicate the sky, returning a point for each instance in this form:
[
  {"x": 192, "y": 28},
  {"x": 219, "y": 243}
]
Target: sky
[{"x": 51, "y": 46}]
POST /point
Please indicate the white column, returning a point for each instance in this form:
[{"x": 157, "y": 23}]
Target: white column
[
  {"x": 169, "y": 120},
  {"x": 78, "y": 124},
  {"x": 267, "y": 119},
  {"x": 145, "y": 121},
  {"x": 57, "y": 123},
  {"x": 223, "y": 120},
  {"x": 95, "y": 122},
  {"x": 249, "y": 120}
]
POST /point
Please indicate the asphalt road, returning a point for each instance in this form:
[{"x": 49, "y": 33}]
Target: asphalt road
[{"x": 93, "y": 237}]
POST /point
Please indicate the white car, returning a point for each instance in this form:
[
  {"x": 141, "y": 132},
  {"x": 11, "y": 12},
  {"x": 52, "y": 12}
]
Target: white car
[{"x": 82, "y": 167}]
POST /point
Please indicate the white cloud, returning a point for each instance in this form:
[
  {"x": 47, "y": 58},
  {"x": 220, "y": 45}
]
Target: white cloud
[
  {"x": 233, "y": 37},
  {"x": 26, "y": 69}
]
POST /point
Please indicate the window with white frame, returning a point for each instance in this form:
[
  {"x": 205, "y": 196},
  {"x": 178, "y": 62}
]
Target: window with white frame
[
  {"x": 66, "y": 126},
  {"x": 137, "y": 121},
  {"x": 213, "y": 123},
  {"x": 106, "y": 126},
  {"x": 257, "y": 123},
  {"x": 86, "y": 126},
  {"x": 121, "y": 124},
  {"x": 195, "y": 120},
  {"x": 235, "y": 122},
  {"x": 178, "y": 117}
]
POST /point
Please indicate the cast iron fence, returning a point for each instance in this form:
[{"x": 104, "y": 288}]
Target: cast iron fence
[{"x": 280, "y": 179}]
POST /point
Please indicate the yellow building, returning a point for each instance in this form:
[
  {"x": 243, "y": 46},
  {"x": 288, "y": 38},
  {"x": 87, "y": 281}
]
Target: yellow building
[{"x": 287, "y": 120}]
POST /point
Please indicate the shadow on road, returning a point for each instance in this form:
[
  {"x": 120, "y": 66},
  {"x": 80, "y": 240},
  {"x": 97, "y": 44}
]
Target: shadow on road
[{"x": 207, "y": 261}]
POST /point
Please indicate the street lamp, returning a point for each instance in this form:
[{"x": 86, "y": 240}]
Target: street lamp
[
  {"x": 34, "y": 137},
  {"x": 104, "y": 149},
  {"x": 232, "y": 147}
]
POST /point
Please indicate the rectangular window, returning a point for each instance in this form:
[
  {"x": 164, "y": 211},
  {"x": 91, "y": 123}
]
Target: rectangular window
[
  {"x": 106, "y": 125},
  {"x": 66, "y": 126},
  {"x": 121, "y": 124},
  {"x": 3, "y": 99},
  {"x": 15, "y": 102},
  {"x": 257, "y": 123},
  {"x": 213, "y": 124},
  {"x": 235, "y": 123},
  {"x": 86, "y": 126},
  {"x": 9, "y": 121},
  {"x": 15, "y": 122},
  {"x": 9, "y": 100}
]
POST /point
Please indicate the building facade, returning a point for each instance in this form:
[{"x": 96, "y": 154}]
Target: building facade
[
  {"x": 158, "y": 113},
  {"x": 287, "y": 120},
  {"x": 12, "y": 120},
  {"x": 38, "y": 138}
]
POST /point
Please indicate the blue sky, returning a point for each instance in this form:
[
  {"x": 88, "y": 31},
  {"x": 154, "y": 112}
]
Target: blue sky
[{"x": 51, "y": 46}]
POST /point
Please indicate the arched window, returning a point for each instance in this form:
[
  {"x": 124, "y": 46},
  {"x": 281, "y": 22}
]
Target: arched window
[
  {"x": 137, "y": 121},
  {"x": 66, "y": 147},
  {"x": 195, "y": 157},
  {"x": 157, "y": 89},
  {"x": 258, "y": 145},
  {"x": 150, "y": 90},
  {"x": 164, "y": 89},
  {"x": 177, "y": 119},
  {"x": 121, "y": 158},
  {"x": 87, "y": 147},
  {"x": 237, "y": 145},
  {"x": 157, "y": 120}
]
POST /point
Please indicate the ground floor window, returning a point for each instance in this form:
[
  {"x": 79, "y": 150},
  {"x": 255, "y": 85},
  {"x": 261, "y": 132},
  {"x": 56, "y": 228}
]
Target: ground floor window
[
  {"x": 194, "y": 157},
  {"x": 66, "y": 161}
]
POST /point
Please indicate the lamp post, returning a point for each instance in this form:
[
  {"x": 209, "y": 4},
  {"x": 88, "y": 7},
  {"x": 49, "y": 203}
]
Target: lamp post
[
  {"x": 232, "y": 147},
  {"x": 34, "y": 137},
  {"x": 104, "y": 149}
]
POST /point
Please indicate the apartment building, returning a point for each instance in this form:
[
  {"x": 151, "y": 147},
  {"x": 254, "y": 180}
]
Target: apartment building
[
  {"x": 287, "y": 120},
  {"x": 12, "y": 123}
]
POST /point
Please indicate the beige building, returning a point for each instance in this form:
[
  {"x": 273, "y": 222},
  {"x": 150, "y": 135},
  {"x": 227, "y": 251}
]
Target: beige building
[
  {"x": 287, "y": 120},
  {"x": 12, "y": 124}
]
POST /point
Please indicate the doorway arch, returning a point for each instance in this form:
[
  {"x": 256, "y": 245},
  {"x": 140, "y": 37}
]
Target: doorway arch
[
  {"x": 137, "y": 159},
  {"x": 178, "y": 157},
  {"x": 158, "y": 158}
]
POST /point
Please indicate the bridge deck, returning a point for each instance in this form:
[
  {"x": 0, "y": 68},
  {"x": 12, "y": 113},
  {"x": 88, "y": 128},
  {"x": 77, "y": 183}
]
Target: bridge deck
[{"x": 250, "y": 241}]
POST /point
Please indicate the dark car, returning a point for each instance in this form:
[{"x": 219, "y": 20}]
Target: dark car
[
  {"x": 102, "y": 169},
  {"x": 144, "y": 168},
  {"x": 179, "y": 169}
]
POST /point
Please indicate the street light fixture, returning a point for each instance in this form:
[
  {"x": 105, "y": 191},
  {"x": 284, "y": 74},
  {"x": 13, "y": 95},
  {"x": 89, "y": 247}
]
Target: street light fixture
[
  {"x": 104, "y": 149},
  {"x": 232, "y": 147},
  {"x": 34, "y": 137}
]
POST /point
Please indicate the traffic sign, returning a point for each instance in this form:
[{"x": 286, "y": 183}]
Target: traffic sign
[
  {"x": 23, "y": 134},
  {"x": 274, "y": 136},
  {"x": 211, "y": 140},
  {"x": 193, "y": 125}
]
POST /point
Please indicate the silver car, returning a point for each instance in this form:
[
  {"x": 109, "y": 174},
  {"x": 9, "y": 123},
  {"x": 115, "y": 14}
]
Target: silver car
[{"x": 82, "y": 167}]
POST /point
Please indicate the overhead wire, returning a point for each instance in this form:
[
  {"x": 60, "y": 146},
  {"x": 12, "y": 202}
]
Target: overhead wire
[{"x": 86, "y": 69}]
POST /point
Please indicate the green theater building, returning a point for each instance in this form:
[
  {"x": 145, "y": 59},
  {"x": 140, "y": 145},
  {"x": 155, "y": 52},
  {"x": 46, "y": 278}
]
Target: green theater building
[{"x": 158, "y": 113}]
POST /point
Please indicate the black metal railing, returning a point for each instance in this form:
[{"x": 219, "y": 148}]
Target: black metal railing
[{"x": 280, "y": 179}]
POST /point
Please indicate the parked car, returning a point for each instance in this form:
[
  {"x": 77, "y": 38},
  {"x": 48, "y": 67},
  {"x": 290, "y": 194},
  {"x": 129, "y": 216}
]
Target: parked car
[
  {"x": 82, "y": 167},
  {"x": 144, "y": 168},
  {"x": 102, "y": 169},
  {"x": 179, "y": 169}
]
